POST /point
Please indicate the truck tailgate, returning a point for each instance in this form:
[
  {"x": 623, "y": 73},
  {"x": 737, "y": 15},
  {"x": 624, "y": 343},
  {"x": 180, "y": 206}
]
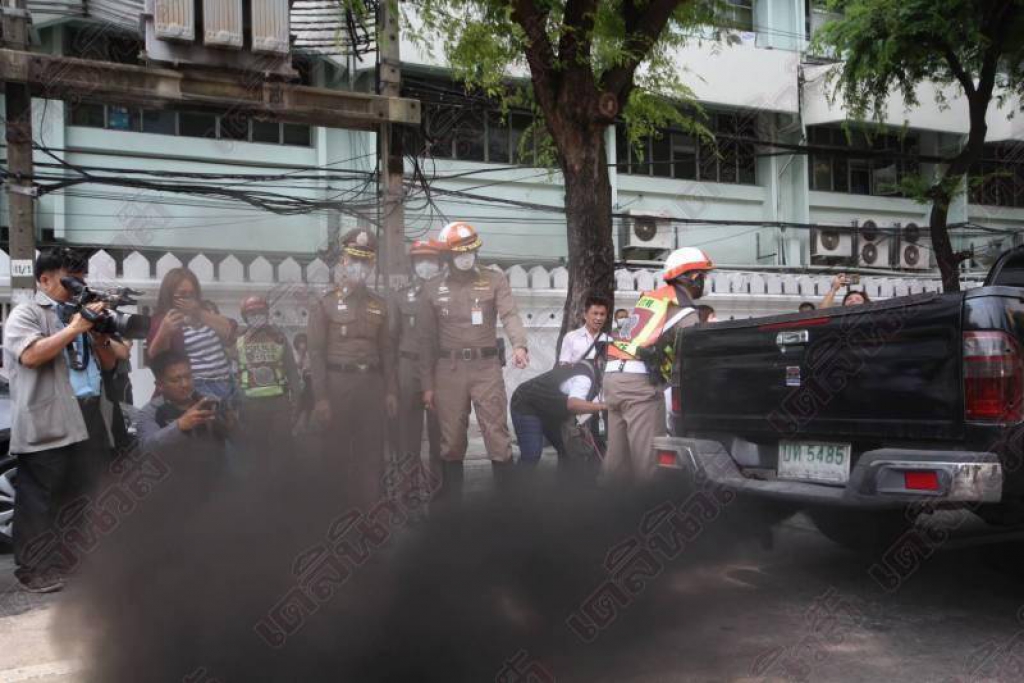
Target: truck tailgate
[{"x": 890, "y": 369}]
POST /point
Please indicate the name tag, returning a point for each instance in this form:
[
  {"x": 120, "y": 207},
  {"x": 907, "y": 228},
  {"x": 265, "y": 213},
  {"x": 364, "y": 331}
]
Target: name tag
[{"x": 477, "y": 316}]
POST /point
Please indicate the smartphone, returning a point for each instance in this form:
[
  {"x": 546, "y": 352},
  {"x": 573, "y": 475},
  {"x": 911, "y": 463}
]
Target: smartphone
[
  {"x": 855, "y": 279},
  {"x": 209, "y": 403}
]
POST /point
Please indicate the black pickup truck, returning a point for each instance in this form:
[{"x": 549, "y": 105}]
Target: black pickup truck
[{"x": 855, "y": 414}]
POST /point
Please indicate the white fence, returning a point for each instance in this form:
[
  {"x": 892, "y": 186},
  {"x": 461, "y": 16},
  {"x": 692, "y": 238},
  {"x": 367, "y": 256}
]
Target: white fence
[{"x": 540, "y": 293}]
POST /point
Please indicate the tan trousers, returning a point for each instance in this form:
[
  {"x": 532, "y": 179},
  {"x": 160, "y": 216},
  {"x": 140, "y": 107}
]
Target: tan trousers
[
  {"x": 354, "y": 441},
  {"x": 636, "y": 414},
  {"x": 460, "y": 384}
]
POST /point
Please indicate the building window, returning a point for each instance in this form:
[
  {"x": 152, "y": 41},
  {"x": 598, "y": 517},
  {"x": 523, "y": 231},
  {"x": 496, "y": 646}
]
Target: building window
[
  {"x": 874, "y": 172},
  {"x": 189, "y": 124},
  {"x": 469, "y": 133},
  {"x": 998, "y": 180},
  {"x": 730, "y": 158},
  {"x": 736, "y": 14}
]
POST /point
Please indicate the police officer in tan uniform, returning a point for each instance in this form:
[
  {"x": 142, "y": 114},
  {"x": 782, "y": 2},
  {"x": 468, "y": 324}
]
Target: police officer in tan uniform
[
  {"x": 459, "y": 364},
  {"x": 352, "y": 364},
  {"x": 425, "y": 257}
]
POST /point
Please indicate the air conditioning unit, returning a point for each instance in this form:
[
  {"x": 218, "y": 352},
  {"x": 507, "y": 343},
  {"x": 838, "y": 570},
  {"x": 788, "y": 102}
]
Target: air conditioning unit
[
  {"x": 874, "y": 248},
  {"x": 915, "y": 249},
  {"x": 832, "y": 243},
  {"x": 642, "y": 233}
]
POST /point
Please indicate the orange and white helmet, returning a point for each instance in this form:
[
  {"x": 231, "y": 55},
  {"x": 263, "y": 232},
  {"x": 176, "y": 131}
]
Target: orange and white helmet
[
  {"x": 686, "y": 260},
  {"x": 425, "y": 248},
  {"x": 459, "y": 237}
]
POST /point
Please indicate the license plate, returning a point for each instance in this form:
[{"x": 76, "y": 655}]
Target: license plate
[{"x": 814, "y": 461}]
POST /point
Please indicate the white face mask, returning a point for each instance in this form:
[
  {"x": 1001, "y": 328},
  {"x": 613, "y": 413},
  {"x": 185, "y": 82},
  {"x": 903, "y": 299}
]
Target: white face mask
[
  {"x": 426, "y": 269},
  {"x": 356, "y": 272},
  {"x": 258, "y": 320},
  {"x": 464, "y": 261}
]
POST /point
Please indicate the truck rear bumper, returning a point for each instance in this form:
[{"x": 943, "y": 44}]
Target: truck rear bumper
[{"x": 877, "y": 480}]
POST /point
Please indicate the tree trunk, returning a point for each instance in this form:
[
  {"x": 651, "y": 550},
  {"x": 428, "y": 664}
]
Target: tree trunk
[
  {"x": 942, "y": 246},
  {"x": 588, "y": 207}
]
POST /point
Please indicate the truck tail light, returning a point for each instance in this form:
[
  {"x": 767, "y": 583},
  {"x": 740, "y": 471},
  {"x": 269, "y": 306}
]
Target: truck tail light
[
  {"x": 677, "y": 400},
  {"x": 927, "y": 480},
  {"x": 993, "y": 377},
  {"x": 666, "y": 458}
]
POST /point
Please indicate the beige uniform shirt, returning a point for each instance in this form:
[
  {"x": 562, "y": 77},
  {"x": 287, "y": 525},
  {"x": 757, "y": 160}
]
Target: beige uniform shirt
[
  {"x": 461, "y": 311},
  {"x": 349, "y": 326}
]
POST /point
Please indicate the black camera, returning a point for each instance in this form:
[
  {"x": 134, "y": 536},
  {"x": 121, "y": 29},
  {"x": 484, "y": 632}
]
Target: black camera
[{"x": 110, "y": 320}]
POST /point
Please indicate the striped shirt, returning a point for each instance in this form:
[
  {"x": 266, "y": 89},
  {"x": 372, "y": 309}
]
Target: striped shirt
[{"x": 206, "y": 353}]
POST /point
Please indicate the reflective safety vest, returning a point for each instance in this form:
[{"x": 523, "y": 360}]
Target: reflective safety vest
[
  {"x": 649, "y": 320},
  {"x": 261, "y": 364}
]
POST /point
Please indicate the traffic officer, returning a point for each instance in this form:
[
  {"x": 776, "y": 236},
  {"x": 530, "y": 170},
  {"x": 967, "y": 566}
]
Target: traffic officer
[
  {"x": 459, "y": 365},
  {"x": 634, "y": 380},
  {"x": 268, "y": 382},
  {"x": 425, "y": 257},
  {"x": 352, "y": 365}
]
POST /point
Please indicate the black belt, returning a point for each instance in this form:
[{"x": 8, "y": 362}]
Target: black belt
[
  {"x": 89, "y": 401},
  {"x": 353, "y": 367},
  {"x": 411, "y": 355},
  {"x": 468, "y": 354}
]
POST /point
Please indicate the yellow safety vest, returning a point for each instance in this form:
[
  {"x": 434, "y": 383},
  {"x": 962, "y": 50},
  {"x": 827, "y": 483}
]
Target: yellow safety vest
[{"x": 261, "y": 364}]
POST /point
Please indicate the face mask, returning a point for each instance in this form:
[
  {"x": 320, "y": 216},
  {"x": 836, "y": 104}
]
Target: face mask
[
  {"x": 356, "y": 272},
  {"x": 258, "y": 320},
  {"x": 465, "y": 261},
  {"x": 425, "y": 269}
]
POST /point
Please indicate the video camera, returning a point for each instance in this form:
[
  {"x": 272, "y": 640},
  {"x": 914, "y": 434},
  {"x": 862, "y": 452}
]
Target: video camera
[{"x": 110, "y": 320}]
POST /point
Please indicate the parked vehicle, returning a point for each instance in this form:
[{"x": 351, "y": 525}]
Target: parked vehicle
[{"x": 853, "y": 414}]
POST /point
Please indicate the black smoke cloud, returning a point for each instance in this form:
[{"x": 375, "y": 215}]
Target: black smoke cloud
[{"x": 176, "y": 591}]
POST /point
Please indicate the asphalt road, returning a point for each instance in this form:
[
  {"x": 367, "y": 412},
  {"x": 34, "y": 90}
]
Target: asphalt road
[{"x": 797, "y": 608}]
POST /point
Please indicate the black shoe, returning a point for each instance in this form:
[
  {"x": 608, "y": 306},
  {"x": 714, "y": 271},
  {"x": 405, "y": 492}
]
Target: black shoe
[
  {"x": 504, "y": 475},
  {"x": 42, "y": 583},
  {"x": 450, "y": 491}
]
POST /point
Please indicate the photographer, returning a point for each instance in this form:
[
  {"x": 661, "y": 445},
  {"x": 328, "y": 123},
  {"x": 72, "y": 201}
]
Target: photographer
[
  {"x": 851, "y": 298},
  {"x": 60, "y": 418},
  {"x": 181, "y": 423}
]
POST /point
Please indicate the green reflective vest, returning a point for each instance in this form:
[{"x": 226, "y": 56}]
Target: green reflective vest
[{"x": 261, "y": 365}]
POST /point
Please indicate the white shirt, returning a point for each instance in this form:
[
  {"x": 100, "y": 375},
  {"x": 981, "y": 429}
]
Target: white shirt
[
  {"x": 576, "y": 387},
  {"x": 576, "y": 343}
]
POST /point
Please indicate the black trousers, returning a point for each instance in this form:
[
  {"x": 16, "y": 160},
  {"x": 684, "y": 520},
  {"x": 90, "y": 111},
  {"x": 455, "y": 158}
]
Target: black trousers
[{"x": 47, "y": 481}]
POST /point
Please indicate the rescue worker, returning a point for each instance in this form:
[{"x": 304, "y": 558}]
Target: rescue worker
[
  {"x": 268, "y": 382},
  {"x": 425, "y": 258},
  {"x": 459, "y": 363},
  {"x": 352, "y": 365},
  {"x": 637, "y": 368}
]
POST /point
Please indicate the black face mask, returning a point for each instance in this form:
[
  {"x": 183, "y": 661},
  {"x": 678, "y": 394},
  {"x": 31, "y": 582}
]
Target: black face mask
[{"x": 692, "y": 285}]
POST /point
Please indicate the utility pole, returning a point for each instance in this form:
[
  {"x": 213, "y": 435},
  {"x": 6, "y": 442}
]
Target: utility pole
[
  {"x": 18, "y": 134},
  {"x": 391, "y": 161}
]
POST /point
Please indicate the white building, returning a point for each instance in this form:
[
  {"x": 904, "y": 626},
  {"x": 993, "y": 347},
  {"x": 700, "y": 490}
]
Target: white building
[{"x": 762, "y": 87}]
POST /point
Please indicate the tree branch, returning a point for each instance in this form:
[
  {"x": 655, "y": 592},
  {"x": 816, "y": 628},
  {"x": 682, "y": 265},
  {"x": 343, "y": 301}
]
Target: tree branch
[
  {"x": 577, "y": 33},
  {"x": 539, "y": 53},
  {"x": 966, "y": 82},
  {"x": 642, "y": 32}
]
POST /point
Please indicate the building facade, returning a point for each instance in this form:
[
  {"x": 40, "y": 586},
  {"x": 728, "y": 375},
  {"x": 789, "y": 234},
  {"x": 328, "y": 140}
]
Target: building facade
[{"x": 782, "y": 154}]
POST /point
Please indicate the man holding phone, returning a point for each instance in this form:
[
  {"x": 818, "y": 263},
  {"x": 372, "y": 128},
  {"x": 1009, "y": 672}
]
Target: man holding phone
[
  {"x": 179, "y": 422},
  {"x": 852, "y": 297}
]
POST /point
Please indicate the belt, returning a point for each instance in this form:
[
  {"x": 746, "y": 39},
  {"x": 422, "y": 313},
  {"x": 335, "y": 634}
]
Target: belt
[
  {"x": 88, "y": 400},
  {"x": 353, "y": 367},
  {"x": 411, "y": 355},
  {"x": 627, "y": 366},
  {"x": 468, "y": 354}
]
